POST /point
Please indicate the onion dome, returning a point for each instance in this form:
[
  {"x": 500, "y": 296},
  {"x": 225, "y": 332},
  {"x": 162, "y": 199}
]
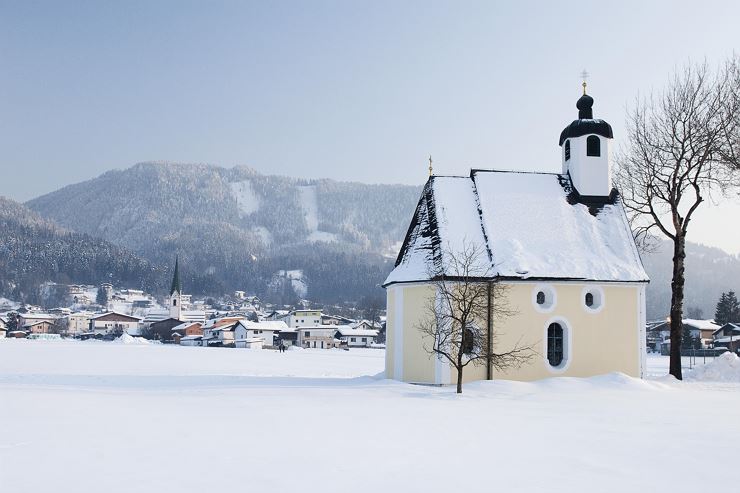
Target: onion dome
[{"x": 586, "y": 124}]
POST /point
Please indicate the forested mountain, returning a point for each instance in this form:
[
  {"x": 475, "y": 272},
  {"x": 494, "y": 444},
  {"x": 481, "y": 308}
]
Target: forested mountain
[
  {"x": 33, "y": 250},
  {"x": 237, "y": 227},
  {"x": 709, "y": 272}
]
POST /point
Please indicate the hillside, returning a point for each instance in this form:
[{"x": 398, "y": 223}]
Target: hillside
[
  {"x": 709, "y": 272},
  {"x": 235, "y": 228},
  {"x": 238, "y": 227},
  {"x": 34, "y": 250}
]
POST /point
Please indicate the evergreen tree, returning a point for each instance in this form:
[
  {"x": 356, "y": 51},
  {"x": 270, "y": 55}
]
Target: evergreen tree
[
  {"x": 728, "y": 309},
  {"x": 102, "y": 297}
]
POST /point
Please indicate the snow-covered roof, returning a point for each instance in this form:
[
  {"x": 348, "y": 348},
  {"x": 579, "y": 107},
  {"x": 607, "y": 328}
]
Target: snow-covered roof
[
  {"x": 273, "y": 325},
  {"x": 347, "y": 332},
  {"x": 701, "y": 324},
  {"x": 37, "y": 316},
  {"x": 527, "y": 226},
  {"x": 184, "y": 326},
  {"x": 122, "y": 315}
]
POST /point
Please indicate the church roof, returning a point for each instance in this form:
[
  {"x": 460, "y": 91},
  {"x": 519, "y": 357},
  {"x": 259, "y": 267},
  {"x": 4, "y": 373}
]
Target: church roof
[
  {"x": 176, "y": 284},
  {"x": 529, "y": 226}
]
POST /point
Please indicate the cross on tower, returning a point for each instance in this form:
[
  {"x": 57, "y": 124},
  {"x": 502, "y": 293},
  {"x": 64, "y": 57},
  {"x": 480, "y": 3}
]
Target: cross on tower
[
  {"x": 584, "y": 76},
  {"x": 430, "y": 165}
]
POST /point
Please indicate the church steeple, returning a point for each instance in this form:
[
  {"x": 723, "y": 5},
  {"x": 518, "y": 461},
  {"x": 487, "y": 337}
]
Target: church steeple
[
  {"x": 585, "y": 149},
  {"x": 175, "y": 293},
  {"x": 176, "y": 284}
]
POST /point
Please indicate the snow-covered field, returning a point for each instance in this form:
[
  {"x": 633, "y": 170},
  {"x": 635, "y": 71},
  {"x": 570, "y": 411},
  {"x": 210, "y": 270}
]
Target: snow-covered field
[{"x": 103, "y": 417}]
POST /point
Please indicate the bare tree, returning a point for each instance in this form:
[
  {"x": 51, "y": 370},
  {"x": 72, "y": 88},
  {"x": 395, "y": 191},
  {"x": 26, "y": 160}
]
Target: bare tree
[
  {"x": 682, "y": 146},
  {"x": 458, "y": 324}
]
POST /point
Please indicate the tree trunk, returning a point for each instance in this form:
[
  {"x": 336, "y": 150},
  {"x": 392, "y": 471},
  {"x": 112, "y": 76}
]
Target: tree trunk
[
  {"x": 677, "y": 287},
  {"x": 459, "y": 380}
]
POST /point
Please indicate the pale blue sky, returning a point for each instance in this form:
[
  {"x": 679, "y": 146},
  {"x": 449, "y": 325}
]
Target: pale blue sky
[{"x": 343, "y": 89}]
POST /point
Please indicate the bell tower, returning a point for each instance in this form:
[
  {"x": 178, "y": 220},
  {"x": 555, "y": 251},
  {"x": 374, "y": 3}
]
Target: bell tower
[
  {"x": 175, "y": 294},
  {"x": 585, "y": 149}
]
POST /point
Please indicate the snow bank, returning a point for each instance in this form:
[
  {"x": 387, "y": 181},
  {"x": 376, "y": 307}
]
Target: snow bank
[
  {"x": 136, "y": 341},
  {"x": 725, "y": 368}
]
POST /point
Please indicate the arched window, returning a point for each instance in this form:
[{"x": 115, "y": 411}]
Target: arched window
[
  {"x": 555, "y": 351},
  {"x": 541, "y": 298},
  {"x": 468, "y": 342},
  {"x": 589, "y": 299},
  {"x": 174, "y": 302},
  {"x": 593, "y": 146},
  {"x": 567, "y": 150}
]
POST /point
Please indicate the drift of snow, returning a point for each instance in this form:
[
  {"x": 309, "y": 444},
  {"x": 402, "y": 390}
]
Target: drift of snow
[
  {"x": 724, "y": 368},
  {"x": 246, "y": 199},
  {"x": 128, "y": 339}
]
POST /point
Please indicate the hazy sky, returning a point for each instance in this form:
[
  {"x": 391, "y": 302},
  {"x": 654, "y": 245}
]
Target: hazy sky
[{"x": 350, "y": 90}]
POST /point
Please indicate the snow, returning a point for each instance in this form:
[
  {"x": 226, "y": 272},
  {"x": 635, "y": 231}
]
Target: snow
[
  {"x": 246, "y": 199},
  {"x": 127, "y": 339},
  {"x": 92, "y": 416},
  {"x": 527, "y": 224},
  {"x": 725, "y": 368},
  {"x": 311, "y": 210},
  {"x": 701, "y": 324}
]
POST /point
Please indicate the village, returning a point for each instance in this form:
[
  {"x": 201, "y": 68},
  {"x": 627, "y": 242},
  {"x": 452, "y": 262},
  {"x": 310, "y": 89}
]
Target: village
[{"x": 130, "y": 315}]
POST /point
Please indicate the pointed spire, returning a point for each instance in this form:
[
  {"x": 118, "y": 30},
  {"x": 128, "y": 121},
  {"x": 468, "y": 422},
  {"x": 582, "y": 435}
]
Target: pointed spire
[{"x": 176, "y": 284}]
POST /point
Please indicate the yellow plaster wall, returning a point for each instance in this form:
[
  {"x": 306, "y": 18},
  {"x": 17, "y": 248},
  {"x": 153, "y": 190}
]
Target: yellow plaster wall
[{"x": 600, "y": 342}]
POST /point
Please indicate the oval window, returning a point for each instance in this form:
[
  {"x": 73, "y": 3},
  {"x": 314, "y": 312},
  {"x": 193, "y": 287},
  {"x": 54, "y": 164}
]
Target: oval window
[
  {"x": 541, "y": 298},
  {"x": 589, "y": 300}
]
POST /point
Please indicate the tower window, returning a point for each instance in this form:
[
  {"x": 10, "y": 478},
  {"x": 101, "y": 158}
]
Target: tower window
[
  {"x": 593, "y": 146},
  {"x": 555, "y": 350},
  {"x": 174, "y": 302},
  {"x": 541, "y": 298},
  {"x": 589, "y": 300},
  {"x": 567, "y": 150}
]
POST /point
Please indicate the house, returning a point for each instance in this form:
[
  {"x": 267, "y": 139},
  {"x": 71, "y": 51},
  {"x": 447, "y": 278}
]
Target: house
[
  {"x": 3, "y": 332},
  {"x": 189, "y": 329},
  {"x": 112, "y": 322},
  {"x": 269, "y": 331},
  {"x": 185, "y": 329},
  {"x": 702, "y": 329},
  {"x": 335, "y": 320},
  {"x": 356, "y": 336},
  {"x": 220, "y": 331},
  {"x": 33, "y": 317},
  {"x": 250, "y": 343},
  {"x": 558, "y": 243},
  {"x": 304, "y": 318},
  {"x": 194, "y": 340},
  {"x": 78, "y": 323},
  {"x": 164, "y": 328},
  {"x": 727, "y": 336},
  {"x": 40, "y": 327},
  {"x": 320, "y": 337},
  {"x": 223, "y": 336}
]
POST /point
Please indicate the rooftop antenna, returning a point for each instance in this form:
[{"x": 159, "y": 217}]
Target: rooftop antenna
[
  {"x": 584, "y": 76},
  {"x": 430, "y": 165}
]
